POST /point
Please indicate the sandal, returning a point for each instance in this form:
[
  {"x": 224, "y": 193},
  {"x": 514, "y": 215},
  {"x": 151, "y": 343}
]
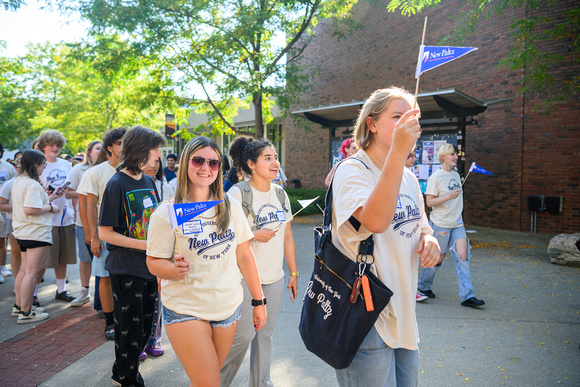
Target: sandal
[{"x": 110, "y": 332}]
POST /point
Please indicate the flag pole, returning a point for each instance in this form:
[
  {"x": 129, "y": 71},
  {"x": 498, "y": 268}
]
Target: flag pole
[
  {"x": 465, "y": 178},
  {"x": 179, "y": 249},
  {"x": 419, "y": 77}
]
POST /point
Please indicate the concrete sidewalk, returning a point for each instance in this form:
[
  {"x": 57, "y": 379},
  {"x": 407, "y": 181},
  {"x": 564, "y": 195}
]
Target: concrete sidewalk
[{"x": 527, "y": 334}]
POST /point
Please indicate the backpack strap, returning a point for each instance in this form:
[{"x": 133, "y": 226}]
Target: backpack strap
[
  {"x": 247, "y": 200},
  {"x": 366, "y": 247},
  {"x": 281, "y": 197}
]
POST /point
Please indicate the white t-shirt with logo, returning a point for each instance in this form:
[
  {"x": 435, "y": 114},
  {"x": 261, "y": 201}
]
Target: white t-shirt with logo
[
  {"x": 269, "y": 211},
  {"x": 55, "y": 175},
  {"x": 215, "y": 280},
  {"x": 6, "y": 193},
  {"x": 74, "y": 177},
  {"x": 27, "y": 192},
  {"x": 396, "y": 261},
  {"x": 7, "y": 172},
  {"x": 448, "y": 214},
  {"x": 95, "y": 181}
]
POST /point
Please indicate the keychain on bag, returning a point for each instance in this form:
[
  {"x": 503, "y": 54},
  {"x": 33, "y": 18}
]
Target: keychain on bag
[{"x": 362, "y": 280}]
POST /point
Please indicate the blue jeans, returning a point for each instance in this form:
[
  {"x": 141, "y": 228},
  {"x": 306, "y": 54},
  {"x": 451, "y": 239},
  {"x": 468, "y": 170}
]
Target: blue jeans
[
  {"x": 378, "y": 365},
  {"x": 448, "y": 242}
]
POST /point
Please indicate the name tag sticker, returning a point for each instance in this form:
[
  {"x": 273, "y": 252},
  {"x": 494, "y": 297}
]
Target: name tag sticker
[
  {"x": 193, "y": 227},
  {"x": 147, "y": 202},
  {"x": 459, "y": 221},
  {"x": 281, "y": 216}
]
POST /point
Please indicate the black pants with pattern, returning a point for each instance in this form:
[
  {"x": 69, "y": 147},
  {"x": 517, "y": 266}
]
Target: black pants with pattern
[{"x": 134, "y": 305}]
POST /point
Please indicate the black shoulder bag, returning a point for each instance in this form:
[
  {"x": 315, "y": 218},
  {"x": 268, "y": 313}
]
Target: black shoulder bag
[{"x": 335, "y": 319}]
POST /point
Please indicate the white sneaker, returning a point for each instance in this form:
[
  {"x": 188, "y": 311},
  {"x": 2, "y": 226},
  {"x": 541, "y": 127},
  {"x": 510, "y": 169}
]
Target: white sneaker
[
  {"x": 34, "y": 316},
  {"x": 2, "y": 280},
  {"x": 5, "y": 272},
  {"x": 17, "y": 312},
  {"x": 82, "y": 298}
]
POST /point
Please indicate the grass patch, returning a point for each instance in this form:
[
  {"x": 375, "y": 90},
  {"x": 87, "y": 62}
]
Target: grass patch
[{"x": 295, "y": 194}]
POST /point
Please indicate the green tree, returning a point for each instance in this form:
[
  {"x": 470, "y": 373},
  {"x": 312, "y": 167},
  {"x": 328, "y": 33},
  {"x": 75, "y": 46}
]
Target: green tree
[
  {"x": 534, "y": 32},
  {"x": 238, "y": 51},
  {"x": 16, "y": 107},
  {"x": 87, "y": 88}
]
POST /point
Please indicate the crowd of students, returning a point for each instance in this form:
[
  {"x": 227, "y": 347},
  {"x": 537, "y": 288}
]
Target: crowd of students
[{"x": 216, "y": 282}]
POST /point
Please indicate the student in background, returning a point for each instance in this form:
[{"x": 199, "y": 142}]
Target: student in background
[
  {"x": 445, "y": 197},
  {"x": 273, "y": 242},
  {"x": 91, "y": 190},
  {"x": 32, "y": 222},
  {"x": 6, "y": 206},
  {"x": 170, "y": 169},
  {"x": 63, "y": 249},
  {"x": 7, "y": 172},
  {"x": 128, "y": 202},
  {"x": 85, "y": 256}
]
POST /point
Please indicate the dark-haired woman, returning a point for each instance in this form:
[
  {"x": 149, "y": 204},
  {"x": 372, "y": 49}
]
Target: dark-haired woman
[
  {"x": 273, "y": 241},
  {"x": 32, "y": 223},
  {"x": 129, "y": 199},
  {"x": 200, "y": 264}
]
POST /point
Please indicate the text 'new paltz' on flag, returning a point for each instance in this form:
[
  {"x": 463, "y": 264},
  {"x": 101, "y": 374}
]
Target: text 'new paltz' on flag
[
  {"x": 476, "y": 168},
  {"x": 183, "y": 212},
  {"x": 434, "y": 56}
]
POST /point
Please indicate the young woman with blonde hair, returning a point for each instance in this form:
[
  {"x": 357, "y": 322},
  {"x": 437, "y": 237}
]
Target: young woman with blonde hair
[
  {"x": 200, "y": 264},
  {"x": 376, "y": 195}
]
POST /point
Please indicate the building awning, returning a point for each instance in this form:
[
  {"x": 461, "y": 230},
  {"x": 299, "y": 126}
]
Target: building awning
[{"x": 440, "y": 104}]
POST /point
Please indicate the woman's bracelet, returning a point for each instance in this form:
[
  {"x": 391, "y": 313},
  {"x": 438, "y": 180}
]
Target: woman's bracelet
[{"x": 294, "y": 274}]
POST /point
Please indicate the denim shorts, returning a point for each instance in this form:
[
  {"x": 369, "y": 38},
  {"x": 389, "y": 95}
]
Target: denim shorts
[{"x": 171, "y": 317}]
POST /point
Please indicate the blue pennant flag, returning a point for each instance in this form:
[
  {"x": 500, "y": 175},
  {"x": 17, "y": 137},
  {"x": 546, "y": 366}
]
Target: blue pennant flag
[
  {"x": 433, "y": 56},
  {"x": 183, "y": 212},
  {"x": 476, "y": 168}
]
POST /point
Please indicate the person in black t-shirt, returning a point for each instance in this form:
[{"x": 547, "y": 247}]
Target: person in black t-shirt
[{"x": 128, "y": 202}]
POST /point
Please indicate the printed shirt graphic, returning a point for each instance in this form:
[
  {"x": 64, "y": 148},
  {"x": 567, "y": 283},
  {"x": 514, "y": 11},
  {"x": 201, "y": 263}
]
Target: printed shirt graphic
[
  {"x": 448, "y": 214},
  {"x": 55, "y": 175},
  {"x": 267, "y": 207},
  {"x": 396, "y": 261},
  {"x": 127, "y": 206},
  {"x": 141, "y": 204},
  {"x": 7, "y": 172},
  {"x": 214, "y": 279}
]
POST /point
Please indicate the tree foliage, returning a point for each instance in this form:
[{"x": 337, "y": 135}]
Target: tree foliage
[
  {"x": 543, "y": 40},
  {"x": 238, "y": 51},
  {"x": 84, "y": 89}
]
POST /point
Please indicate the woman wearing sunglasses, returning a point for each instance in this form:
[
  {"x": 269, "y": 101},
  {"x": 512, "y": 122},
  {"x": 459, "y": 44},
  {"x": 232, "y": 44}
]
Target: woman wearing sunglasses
[
  {"x": 269, "y": 215},
  {"x": 200, "y": 264}
]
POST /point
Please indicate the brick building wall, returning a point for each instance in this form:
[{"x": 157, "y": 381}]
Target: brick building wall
[{"x": 529, "y": 153}]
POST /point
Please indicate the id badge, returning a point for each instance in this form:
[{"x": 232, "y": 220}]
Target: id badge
[
  {"x": 281, "y": 216},
  {"x": 193, "y": 227},
  {"x": 147, "y": 202}
]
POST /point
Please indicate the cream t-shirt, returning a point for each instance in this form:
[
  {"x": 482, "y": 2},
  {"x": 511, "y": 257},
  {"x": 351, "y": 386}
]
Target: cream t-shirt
[
  {"x": 74, "y": 177},
  {"x": 215, "y": 280},
  {"x": 27, "y": 192},
  {"x": 95, "y": 181},
  {"x": 396, "y": 260},
  {"x": 55, "y": 175},
  {"x": 269, "y": 211},
  {"x": 448, "y": 214}
]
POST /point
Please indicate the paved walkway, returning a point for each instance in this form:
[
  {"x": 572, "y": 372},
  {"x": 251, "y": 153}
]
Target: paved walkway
[{"x": 527, "y": 334}]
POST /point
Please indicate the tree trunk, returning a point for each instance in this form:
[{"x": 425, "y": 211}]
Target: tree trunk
[{"x": 257, "y": 101}]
